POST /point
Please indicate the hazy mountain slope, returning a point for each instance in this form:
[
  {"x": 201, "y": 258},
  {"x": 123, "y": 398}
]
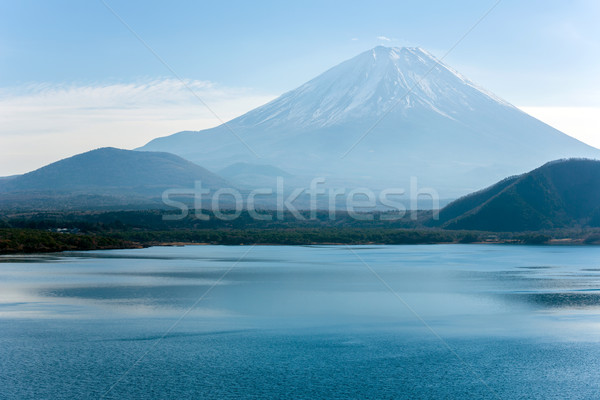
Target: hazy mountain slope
[
  {"x": 557, "y": 195},
  {"x": 110, "y": 170},
  {"x": 255, "y": 169},
  {"x": 473, "y": 200},
  {"x": 450, "y": 133},
  {"x": 253, "y": 175}
]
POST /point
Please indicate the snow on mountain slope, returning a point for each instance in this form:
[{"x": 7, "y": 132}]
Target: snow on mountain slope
[
  {"x": 368, "y": 86},
  {"x": 423, "y": 119}
]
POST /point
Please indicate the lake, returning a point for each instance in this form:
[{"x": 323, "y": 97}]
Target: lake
[{"x": 335, "y": 322}]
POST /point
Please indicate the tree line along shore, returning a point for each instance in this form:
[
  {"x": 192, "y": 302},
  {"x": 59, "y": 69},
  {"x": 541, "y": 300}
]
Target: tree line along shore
[{"x": 66, "y": 231}]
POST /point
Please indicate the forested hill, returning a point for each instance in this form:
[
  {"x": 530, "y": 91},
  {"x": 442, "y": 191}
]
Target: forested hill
[{"x": 560, "y": 194}]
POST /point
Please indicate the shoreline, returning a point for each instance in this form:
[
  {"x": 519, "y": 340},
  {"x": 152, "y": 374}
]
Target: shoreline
[
  {"x": 553, "y": 243},
  {"x": 36, "y": 241}
]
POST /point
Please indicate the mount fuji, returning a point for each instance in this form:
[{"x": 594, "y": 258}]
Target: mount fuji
[{"x": 378, "y": 119}]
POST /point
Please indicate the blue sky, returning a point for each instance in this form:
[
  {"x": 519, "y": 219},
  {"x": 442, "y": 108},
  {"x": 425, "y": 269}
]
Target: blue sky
[{"x": 543, "y": 56}]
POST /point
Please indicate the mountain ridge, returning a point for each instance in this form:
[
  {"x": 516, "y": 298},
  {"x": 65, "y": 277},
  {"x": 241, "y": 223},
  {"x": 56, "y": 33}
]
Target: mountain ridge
[
  {"x": 107, "y": 176},
  {"x": 559, "y": 194},
  {"x": 379, "y": 118}
]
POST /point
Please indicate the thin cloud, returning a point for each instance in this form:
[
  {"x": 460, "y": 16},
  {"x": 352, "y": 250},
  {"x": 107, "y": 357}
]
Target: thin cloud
[
  {"x": 384, "y": 38},
  {"x": 41, "y": 123}
]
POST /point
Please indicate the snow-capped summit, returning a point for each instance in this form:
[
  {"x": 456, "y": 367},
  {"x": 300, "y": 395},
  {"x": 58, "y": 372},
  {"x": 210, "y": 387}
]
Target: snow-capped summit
[
  {"x": 379, "y": 118},
  {"x": 373, "y": 83}
]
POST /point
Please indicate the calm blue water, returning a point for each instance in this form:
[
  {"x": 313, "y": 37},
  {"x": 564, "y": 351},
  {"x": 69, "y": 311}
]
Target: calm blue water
[{"x": 366, "y": 322}]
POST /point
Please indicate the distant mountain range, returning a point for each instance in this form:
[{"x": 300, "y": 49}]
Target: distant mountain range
[
  {"x": 106, "y": 176},
  {"x": 560, "y": 194},
  {"x": 378, "y": 119},
  {"x": 373, "y": 121}
]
